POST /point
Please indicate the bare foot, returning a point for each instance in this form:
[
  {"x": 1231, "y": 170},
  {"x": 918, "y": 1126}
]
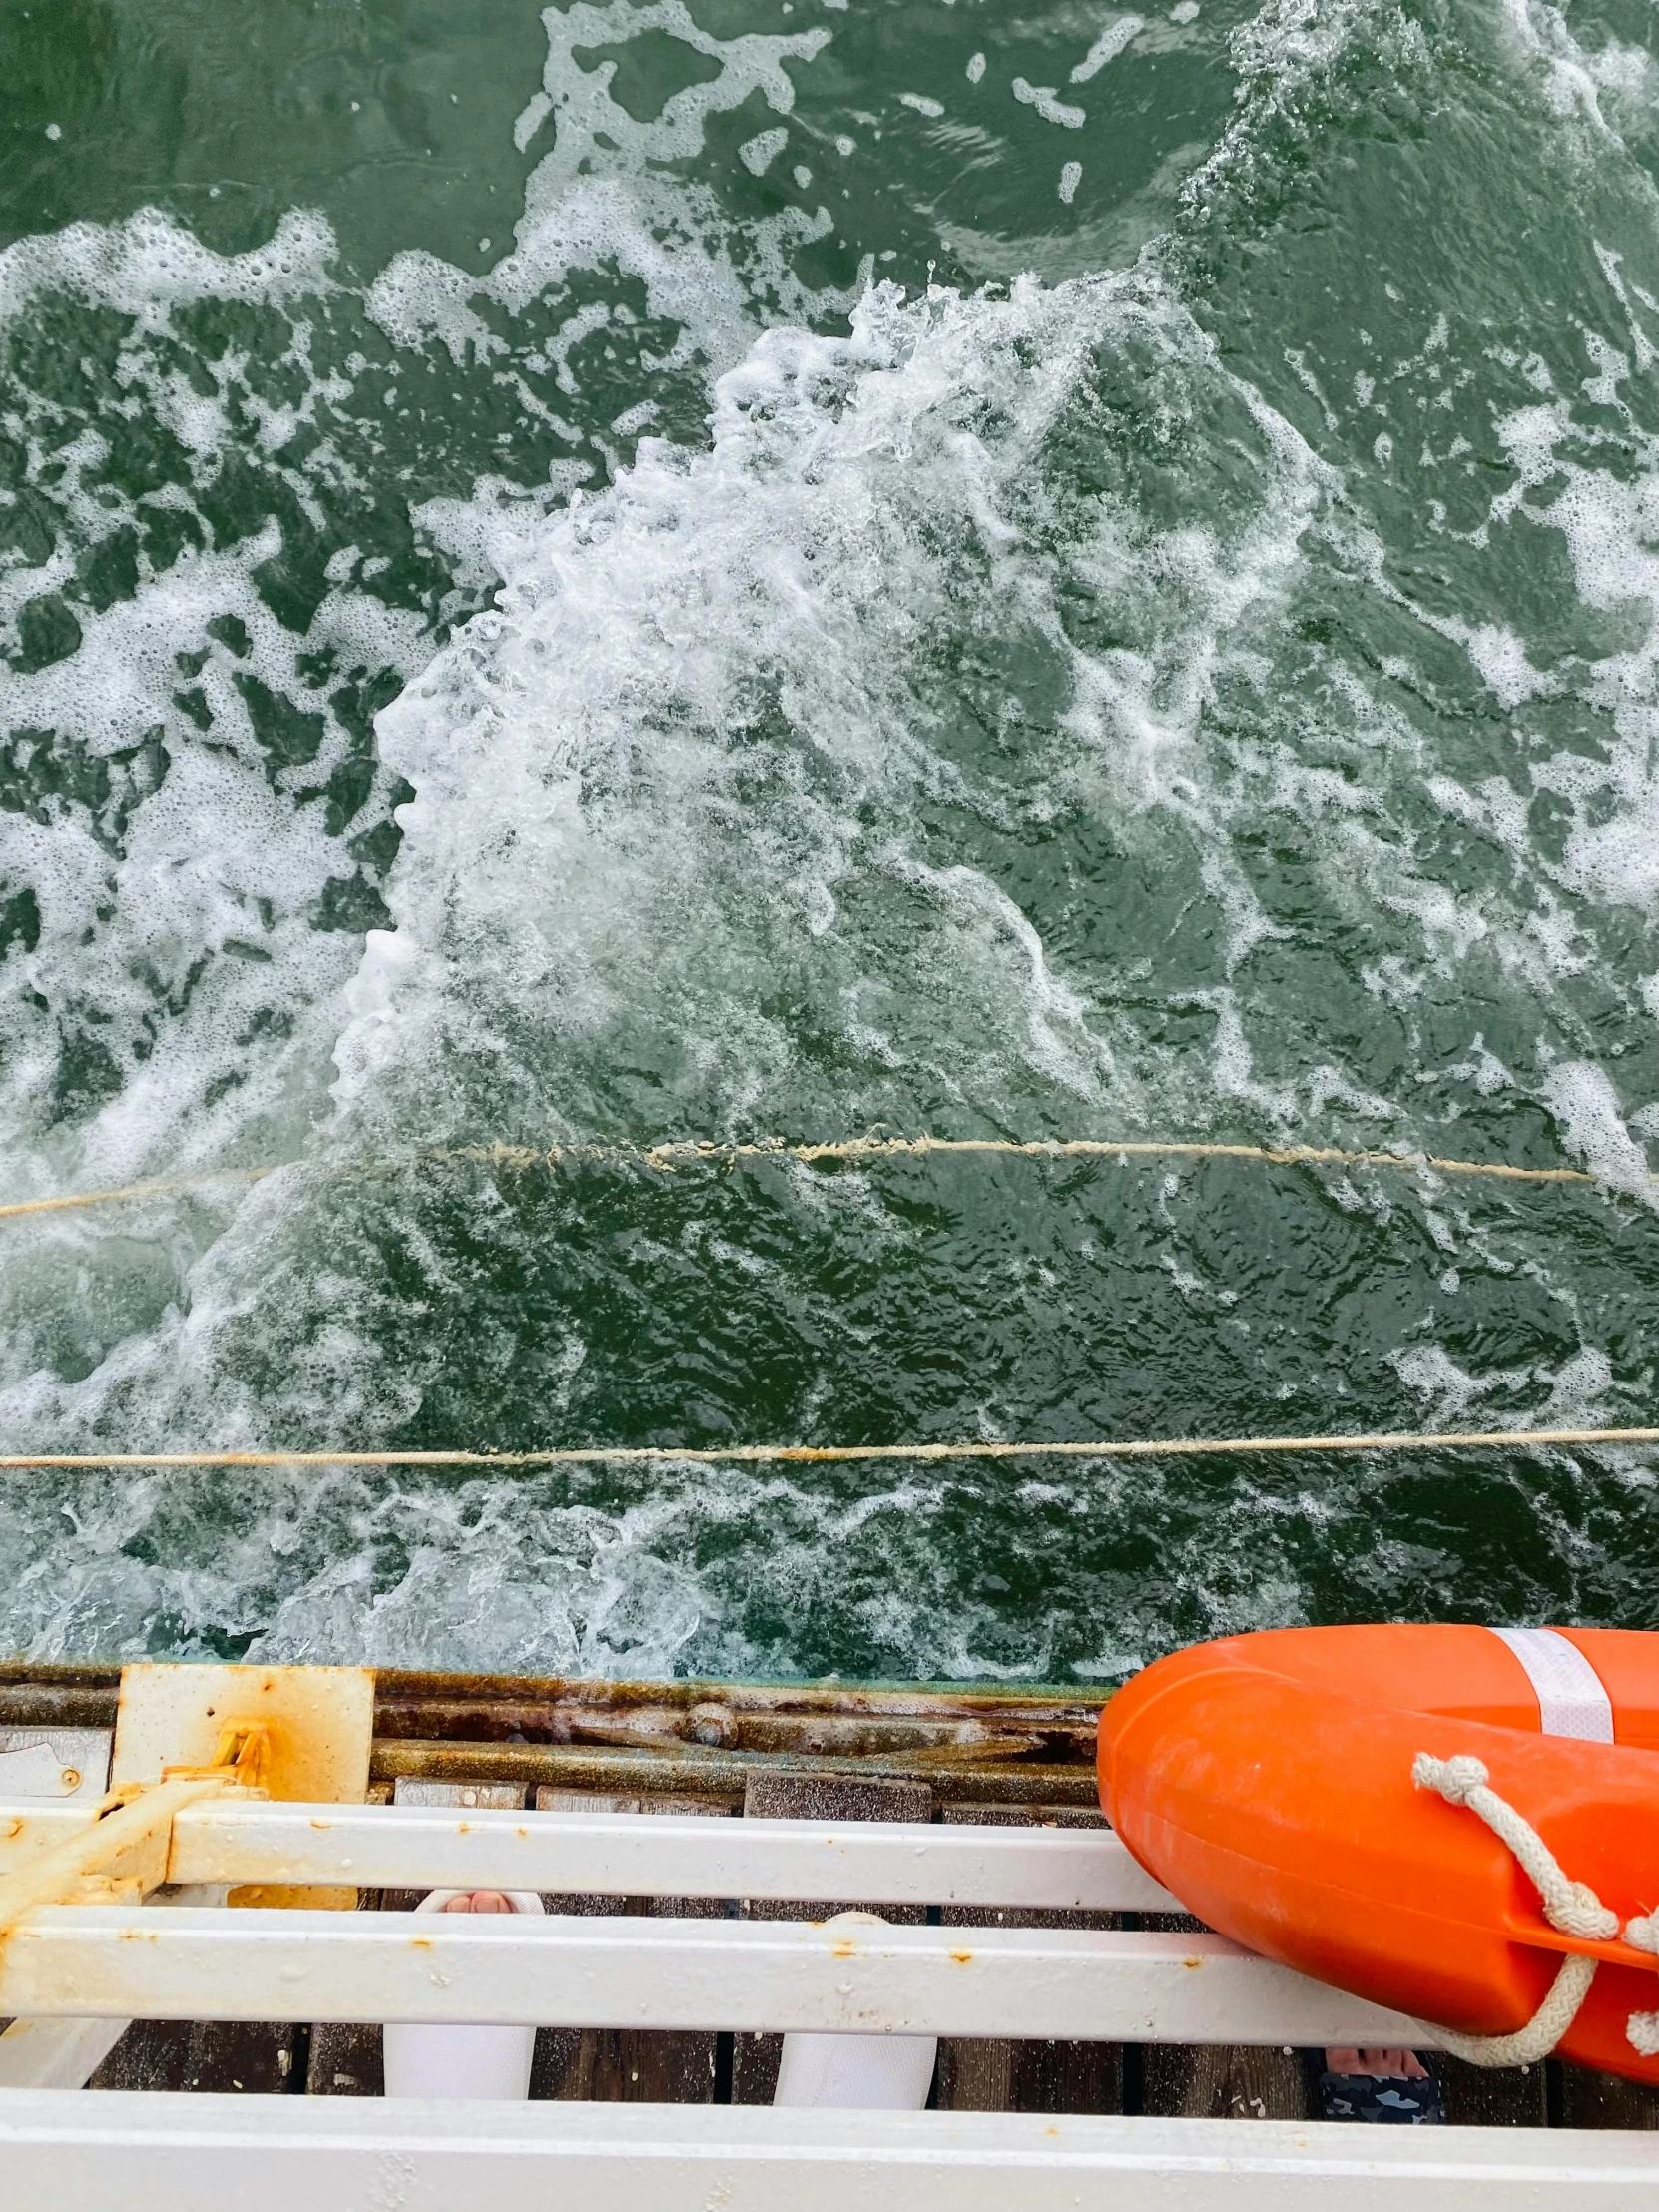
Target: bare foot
[
  {"x": 1391, "y": 2066},
  {"x": 477, "y": 1901}
]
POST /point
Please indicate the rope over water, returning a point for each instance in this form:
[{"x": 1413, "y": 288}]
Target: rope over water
[
  {"x": 665, "y": 1158},
  {"x": 1146, "y": 1447}
]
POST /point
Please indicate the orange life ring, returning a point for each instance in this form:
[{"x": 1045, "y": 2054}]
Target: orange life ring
[{"x": 1267, "y": 1779}]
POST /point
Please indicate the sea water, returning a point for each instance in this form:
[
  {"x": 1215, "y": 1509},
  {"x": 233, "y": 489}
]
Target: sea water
[{"x": 790, "y": 568}]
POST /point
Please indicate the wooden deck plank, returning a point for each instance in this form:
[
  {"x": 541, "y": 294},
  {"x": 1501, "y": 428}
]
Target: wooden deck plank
[
  {"x": 346, "y": 2058},
  {"x": 256, "y": 2057},
  {"x": 1223, "y": 2081},
  {"x": 777, "y": 1796},
  {"x": 1220, "y": 2081},
  {"x": 629, "y": 2066},
  {"x": 1492, "y": 2096},
  {"x": 1603, "y": 2100},
  {"x": 1010, "y": 2076}
]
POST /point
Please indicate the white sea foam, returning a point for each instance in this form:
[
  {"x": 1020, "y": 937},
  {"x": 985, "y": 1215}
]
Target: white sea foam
[
  {"x": 182, "y": 942},
  {"x": 147, "y": 266},
  {"x": 686, "y": 754},
  {"x": 244, "y": 1034},
  {"x": 1118, "y": 35},
  {"x": 598, "y": 200},
  {"x": 1284, "y": 56},
  {"x": 1589, "y": 88},
  {"x": 1607, "y": 518},
  {"x": 760, "y": 615},
  {"x": 758, "y": 152},
  {"x": 676, "y": 858},
  {"x": 699, "y": 1575},
  {"x": 1048, "y": 104},
  {"x": 1584, "y": 1102}
]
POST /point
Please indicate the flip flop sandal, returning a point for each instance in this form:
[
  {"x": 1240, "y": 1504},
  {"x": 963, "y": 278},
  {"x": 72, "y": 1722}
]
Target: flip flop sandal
[{"x": 1382, "y": 2099}]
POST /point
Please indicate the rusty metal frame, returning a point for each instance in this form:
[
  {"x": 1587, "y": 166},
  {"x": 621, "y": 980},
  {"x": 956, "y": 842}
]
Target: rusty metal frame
[{"x": 994, "y": 1745}]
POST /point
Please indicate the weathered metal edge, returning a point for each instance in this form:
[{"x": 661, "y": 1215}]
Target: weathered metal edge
[
  {"x": 62, "y": 1690},
  {"x": 762, "y": 1689},
  {"x": 690, "y": 1770}
]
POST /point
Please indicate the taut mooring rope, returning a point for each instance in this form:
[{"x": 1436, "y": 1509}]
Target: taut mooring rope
[
  {"x": 666, "y": 1157},
  {"x": 1145, "y": 1448}
]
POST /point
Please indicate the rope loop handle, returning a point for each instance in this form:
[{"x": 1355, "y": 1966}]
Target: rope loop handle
[
  {"x": 1571, "y": 1906},
  {"x": 1643, "y": 1933}
]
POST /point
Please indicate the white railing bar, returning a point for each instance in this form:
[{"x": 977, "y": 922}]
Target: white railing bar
[
  {"x": 635, "y": 1855},
  {"x": 188, "y": 2152},
  {"x": 64, "y": 2052},
  {"x": 56, "y": 2053},
  {"x": 632, "y": 1855},
  {"x": 31, "y": 1827},
  {"x": 630, "y": 1972}
]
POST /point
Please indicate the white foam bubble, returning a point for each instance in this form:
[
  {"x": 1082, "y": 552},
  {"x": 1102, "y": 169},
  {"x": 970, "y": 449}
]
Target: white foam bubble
[
  {"x": 418, "y": 297},
  {"x": 1581, "y": 1097},
  {"x": 1048, "y": 104},
  {"x": 1120, "y": 34},
  {"x": 758, "y": 152},
  {"x": 147, "y": 265}
]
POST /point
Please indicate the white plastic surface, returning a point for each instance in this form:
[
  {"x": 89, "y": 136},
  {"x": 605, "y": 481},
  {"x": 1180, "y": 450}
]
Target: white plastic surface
[
  {"x": 862, "y": 2074},
  {"x": 434, "y": 2059}
]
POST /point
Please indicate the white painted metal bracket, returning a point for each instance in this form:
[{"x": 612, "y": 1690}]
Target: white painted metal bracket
[
  {"x": 182, "y": 1734},
  {"x": 62, "y": 1764}
]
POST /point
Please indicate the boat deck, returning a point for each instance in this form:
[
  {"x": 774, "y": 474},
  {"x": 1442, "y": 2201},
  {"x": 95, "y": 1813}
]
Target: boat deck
[{"x": 825, "y": 1753}]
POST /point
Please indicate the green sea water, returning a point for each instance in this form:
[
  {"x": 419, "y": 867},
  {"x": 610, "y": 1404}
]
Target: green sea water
[{"x": 779, "y": 568}]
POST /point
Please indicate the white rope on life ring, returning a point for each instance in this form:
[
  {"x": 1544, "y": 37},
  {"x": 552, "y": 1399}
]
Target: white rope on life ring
[{"x": 1571, "y": 1906}]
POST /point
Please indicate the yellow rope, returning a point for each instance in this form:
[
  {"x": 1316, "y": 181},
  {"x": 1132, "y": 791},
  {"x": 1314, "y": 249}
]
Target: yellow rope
[
  {"x": 1146, "y": 1447},
  {"x": 161, "y": 1187},
  {"x": 666, "y": 1157},
  {"x": 669, "y": 1156}
]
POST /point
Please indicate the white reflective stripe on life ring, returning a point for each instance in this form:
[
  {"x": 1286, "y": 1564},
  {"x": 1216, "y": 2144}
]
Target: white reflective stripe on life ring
[{"x": 1571, "y": 1700}]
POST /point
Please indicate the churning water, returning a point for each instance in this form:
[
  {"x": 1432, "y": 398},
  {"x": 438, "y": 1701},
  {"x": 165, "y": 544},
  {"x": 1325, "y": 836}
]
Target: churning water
[{"x": 780, "y": 567}]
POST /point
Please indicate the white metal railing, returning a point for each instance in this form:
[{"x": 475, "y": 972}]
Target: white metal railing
[
  {"x": 73, "y": 1972},
  {"x": 183, "y": 2153},
  {"x": 104, "y": 1962},
  {"x": 630, "y": 1854},
  {"x": 626, "y": 1971}
]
